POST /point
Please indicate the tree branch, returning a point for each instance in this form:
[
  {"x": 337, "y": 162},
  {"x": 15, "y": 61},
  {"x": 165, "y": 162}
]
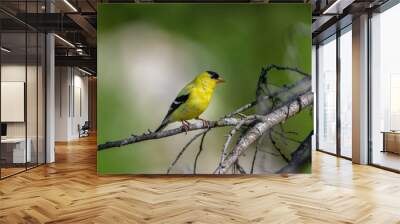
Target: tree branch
[
  {"x": 277, "y": 148},
  {"x": 228, "y": 120},
  {"x": 301, "y": 156},
  {"x": 264, "y": 72},
  {"x": 303, "y": 81},
  {"x": 229, "y": 138},
  {"x": 275, "y": 117},
  {"x": 239, "y": 168},
  {"x": 198, "y": 125}
]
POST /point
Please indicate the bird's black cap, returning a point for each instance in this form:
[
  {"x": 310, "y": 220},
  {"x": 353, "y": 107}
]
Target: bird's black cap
[{"x": 214, "y": 75}]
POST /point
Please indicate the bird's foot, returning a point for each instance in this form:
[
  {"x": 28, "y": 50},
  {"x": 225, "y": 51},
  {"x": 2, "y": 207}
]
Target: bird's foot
[
  {"x": 185, "y": 126},
  {"x": 206, "y": 123}
]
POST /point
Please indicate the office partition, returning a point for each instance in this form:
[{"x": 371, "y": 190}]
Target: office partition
[{"x": 22, "y": 78}]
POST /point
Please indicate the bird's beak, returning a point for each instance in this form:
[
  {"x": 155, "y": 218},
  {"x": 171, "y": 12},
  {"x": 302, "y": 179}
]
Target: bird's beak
[{"x": 220, "y": 80}]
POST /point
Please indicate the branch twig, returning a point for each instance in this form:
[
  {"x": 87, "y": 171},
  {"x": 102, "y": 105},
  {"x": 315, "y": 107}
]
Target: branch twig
[
  {"x": 229, "y": 138},
  {"x": 184, "y": 149},
  {"x": 268, "y": 121},
  {"x": 240, "y": 168},
  {"x": 277, "y": 148},
  {"x": 264, "y": 73},
  {"x": 200, "y": 150},
  {"x": 255, "y": 154},
  {"x": 282, "y": 135},
  {"x": 301, "y": 156},
  {"x": 301, "y": 82}
]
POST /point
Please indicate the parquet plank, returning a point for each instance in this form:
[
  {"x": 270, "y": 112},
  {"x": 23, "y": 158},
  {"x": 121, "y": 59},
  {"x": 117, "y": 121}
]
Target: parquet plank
[{"x": 69, "y": 191}]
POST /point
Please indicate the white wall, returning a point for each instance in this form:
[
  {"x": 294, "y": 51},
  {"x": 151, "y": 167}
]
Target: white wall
[
  {"x": 79, "y": 117},
  {"x": 62, "y": 81},
  {"x": 71, "y": 87}
]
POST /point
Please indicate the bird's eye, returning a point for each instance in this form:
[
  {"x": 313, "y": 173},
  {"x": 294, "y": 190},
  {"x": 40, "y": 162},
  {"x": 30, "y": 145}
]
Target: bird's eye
[{"x": 213, "y": 75}]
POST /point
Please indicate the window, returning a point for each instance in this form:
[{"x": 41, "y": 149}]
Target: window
[
  {"x": 385, "y": 89},
  {"x": 346, "y": 92},
  {"x": 327, "y": 95}
]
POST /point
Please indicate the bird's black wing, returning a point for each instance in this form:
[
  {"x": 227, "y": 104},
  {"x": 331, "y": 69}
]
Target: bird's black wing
[
  {"x": 181, "y": 99},
  {"x": 177, "y": 102}
]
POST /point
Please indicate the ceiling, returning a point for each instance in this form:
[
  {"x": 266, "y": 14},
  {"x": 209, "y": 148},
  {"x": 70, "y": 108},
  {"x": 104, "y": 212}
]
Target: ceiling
[
  {"x": 75, "y": 22},
  {"x": 332, "y": 15}
]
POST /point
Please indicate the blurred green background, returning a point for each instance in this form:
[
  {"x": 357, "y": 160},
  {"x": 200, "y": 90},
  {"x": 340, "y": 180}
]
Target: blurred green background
[{"x": 148, "y": 52}]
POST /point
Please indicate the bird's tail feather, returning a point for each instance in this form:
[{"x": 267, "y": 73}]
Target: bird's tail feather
[{"x": 162, "y": 126}]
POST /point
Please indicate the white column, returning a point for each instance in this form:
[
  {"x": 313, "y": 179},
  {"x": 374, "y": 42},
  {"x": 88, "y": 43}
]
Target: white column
[
  {"x": 360, "y": 90},
  {"x": 50, "y": 99}
]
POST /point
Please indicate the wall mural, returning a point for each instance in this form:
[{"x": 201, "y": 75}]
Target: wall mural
[{"x": 204, "y": 89}]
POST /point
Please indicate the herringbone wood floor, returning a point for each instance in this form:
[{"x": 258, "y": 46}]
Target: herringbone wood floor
[{"x": 70, "y": 191}]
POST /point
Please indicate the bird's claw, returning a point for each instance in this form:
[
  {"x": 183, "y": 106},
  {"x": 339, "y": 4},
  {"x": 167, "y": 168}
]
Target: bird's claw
[
  {"x": 185, "y": 126},
  {"x": 206, "y": 123}
]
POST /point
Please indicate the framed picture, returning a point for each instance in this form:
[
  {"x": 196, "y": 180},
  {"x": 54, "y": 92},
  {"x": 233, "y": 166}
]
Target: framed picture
[{"x": 204, "y": 88}]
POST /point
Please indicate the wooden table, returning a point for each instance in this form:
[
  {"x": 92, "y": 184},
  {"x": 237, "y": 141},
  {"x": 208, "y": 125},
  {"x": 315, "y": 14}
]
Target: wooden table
[{"x": 391, "y": 141}]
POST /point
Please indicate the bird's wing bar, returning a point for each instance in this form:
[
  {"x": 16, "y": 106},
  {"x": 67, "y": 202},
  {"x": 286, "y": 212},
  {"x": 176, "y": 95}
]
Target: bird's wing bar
[{"x": 177, "y": 102}]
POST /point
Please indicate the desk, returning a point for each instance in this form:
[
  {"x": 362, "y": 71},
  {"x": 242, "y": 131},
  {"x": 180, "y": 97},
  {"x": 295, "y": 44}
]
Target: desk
[
  {"x": 391, "y": 141},
  {"x": 15, "y": 148}
]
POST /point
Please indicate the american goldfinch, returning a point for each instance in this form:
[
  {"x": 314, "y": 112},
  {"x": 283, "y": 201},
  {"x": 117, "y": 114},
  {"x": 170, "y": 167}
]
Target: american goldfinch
[{"x": 192, "y": 100}]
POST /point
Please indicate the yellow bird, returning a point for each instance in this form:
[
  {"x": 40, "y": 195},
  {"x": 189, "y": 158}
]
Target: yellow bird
[{"x": 192, "y": 100}]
